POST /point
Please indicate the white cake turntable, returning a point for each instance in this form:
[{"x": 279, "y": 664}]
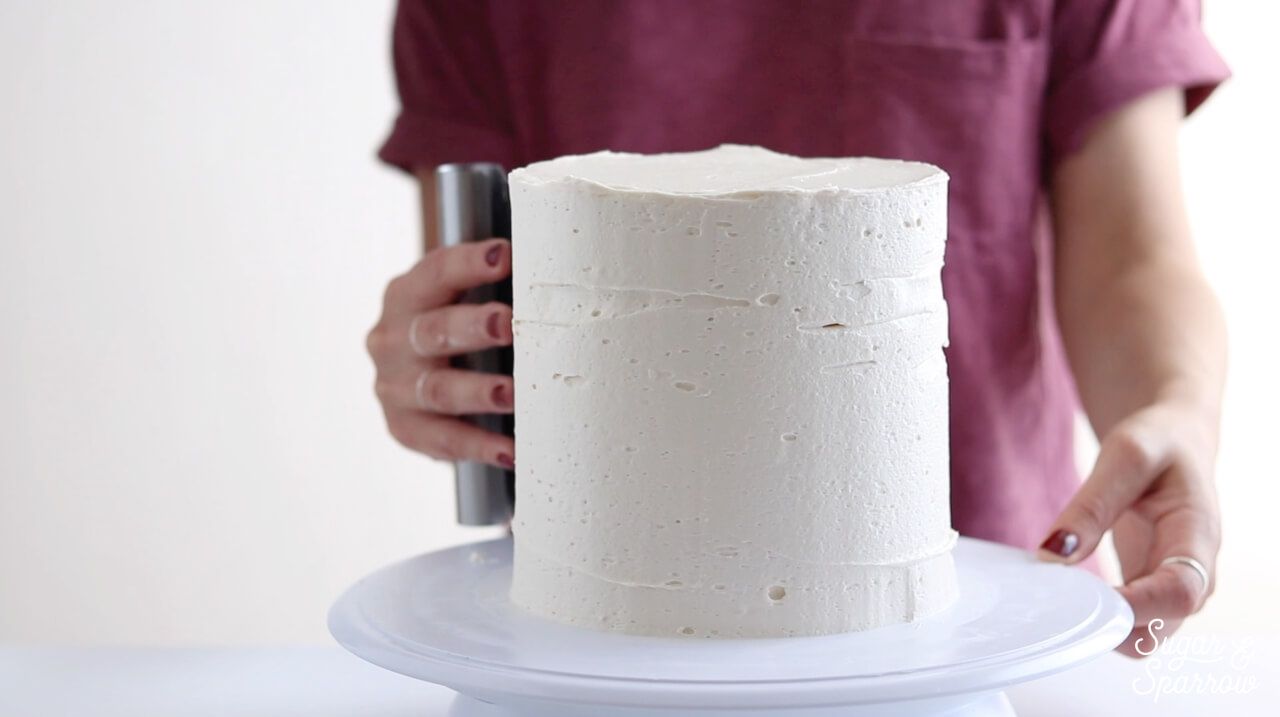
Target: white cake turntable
[{"x": 444, "y": 617}]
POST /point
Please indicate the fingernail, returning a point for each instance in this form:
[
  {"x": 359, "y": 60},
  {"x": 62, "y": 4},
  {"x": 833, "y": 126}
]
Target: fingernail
[
  {"x": 501, "y": 397},
  {"x": 491, "y": 256},
  {"x": 491, "y": 325},
  {"x": 506, "y": 461},
  {"x": 1061, "y": 543}
]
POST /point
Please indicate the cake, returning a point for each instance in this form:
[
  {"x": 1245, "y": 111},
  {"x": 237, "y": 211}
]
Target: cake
[{"x": 732, "y": 393}]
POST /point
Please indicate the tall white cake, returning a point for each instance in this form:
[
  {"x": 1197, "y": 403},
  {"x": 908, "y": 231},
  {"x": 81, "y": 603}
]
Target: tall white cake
[{"x": 731, "y": 393}]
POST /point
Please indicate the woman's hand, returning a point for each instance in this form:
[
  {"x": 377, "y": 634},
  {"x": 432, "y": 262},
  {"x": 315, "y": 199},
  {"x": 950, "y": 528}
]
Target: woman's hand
[
  {"x": 421, "y": 327},
  {"x": 1152, "y": 486},
  {"x": 1147, "y": 343}
]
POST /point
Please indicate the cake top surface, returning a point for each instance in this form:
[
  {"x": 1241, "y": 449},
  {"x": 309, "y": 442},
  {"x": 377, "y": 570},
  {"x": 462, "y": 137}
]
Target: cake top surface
[{"x": 728, "y": 170}]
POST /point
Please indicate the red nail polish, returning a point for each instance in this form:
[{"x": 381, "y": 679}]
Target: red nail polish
[
  {"x": 506, "y": 461},
  {"x": 491, "y": 325},
  {"x": 491, "y": 256},
  {"x": 1061, "y": 543},
  {"x": 501, "y": 397}
]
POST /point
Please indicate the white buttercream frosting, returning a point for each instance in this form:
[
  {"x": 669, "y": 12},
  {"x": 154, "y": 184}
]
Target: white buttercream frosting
[{"x": 731, "y": 393}]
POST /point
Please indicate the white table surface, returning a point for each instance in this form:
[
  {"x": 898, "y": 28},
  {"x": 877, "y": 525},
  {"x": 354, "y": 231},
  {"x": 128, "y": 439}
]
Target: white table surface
[{"x": 323, "y": 681}]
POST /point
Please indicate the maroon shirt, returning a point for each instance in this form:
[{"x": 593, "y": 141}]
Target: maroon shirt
[{"x": 993, "y": 91}]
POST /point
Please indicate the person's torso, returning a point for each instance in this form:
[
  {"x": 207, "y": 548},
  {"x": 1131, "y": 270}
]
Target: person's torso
[{"x": 957, "y": 83}]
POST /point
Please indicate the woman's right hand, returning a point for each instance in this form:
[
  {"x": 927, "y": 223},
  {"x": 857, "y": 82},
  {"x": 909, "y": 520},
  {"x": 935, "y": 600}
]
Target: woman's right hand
[{"x": 420, "y": 328}]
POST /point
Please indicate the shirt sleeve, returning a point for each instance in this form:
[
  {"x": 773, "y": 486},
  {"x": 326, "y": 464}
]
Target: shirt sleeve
[
  {"x": 454, "y": 106},
  {"x": 1106, "y": 53}
]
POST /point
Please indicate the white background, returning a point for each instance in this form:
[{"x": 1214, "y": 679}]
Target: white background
[{"x": 194, "y": 237}]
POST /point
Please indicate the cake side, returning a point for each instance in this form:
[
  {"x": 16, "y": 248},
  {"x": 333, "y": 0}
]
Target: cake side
[{"x": 732, "y": 406}]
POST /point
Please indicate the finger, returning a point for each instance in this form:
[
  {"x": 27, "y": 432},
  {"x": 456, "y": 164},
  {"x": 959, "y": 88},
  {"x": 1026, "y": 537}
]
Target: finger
[
  {"x": 443, "y": 273},
  {"x": 459, "y": 329},
  {"x": 1128, "y": 460},
  {"x": 1144, "y": 640},
  {"x": 450, "y": 439},
  {"x": 1133, "y": 536},
  {"x": 449, "y": 391},
  {"x": 1172, "y": 591}
]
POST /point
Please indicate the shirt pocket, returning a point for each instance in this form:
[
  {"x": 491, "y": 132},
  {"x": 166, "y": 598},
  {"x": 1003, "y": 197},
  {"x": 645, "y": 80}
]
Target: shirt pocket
[{"x": 972, "y": 107}]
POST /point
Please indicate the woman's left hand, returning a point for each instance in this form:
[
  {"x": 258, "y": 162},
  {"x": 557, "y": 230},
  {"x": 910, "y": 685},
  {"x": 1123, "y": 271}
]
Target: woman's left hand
[{"x": 1153, "y": 487}]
